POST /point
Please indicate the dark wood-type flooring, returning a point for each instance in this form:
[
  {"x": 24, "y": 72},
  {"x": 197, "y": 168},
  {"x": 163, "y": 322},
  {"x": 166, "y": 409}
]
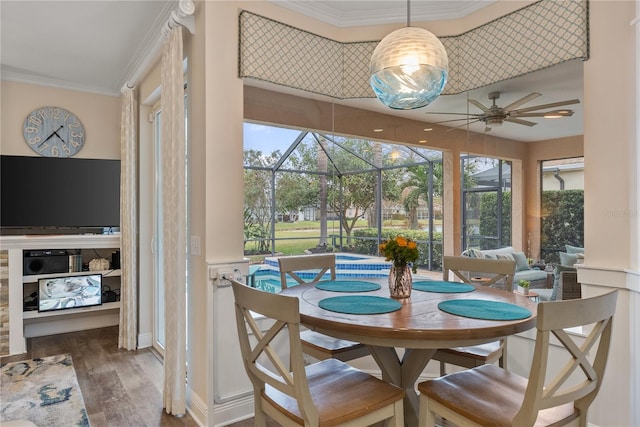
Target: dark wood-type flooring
[{"x": 120, "y": 388}]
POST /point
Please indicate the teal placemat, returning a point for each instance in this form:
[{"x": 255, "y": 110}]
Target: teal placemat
[
  {"x": 483, "y": 309},
  {"x": 347, "y": 286},
  {"x": 360, "y": 304},
  {"x": 442, "y": 287}
]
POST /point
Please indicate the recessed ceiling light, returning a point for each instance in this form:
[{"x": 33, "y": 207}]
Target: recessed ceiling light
[
  {"x": 422, "y": 141},
  {"x": 427, "y": 129},
  {"x": 378, "y": 130}
]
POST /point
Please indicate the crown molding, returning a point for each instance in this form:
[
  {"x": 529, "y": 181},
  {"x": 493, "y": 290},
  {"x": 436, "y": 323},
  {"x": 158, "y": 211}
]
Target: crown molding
[
  {"x": 396, "y": 12},
  {"x": 148, "y": 50},
  {"x": 38, "y": 80}
]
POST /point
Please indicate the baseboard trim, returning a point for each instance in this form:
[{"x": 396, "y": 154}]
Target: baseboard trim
[
  {"x": 232, "y": 412},
  {"x": 196, "y": 407},
  {"x": 145, "y": 340}
]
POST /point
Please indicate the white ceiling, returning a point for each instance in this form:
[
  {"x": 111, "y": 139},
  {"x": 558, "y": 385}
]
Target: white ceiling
[
  {"x": 96, "y": 46},
  {"x": 89, "y": 45}
]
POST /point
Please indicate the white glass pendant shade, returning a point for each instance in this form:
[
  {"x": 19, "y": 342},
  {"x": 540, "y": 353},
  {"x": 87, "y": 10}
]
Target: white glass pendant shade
[{"x": 408, "y": 68}]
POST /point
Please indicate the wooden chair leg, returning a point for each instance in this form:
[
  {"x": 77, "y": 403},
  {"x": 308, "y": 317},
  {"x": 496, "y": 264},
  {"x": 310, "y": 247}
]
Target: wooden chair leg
[
  {"x": 443, "y": 370},
  {"x": 426, "y": 418},
  {"x": 502, "y": 362},
  {"x": 259, "y": 417}
]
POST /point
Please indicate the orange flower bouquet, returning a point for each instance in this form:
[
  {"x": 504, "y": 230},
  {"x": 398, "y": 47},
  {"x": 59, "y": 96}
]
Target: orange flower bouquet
[{"x": 401, "y": 251}]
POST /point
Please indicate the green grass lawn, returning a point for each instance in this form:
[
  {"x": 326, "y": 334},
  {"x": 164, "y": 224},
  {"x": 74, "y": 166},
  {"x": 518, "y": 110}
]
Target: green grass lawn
[{"x": 303, "y": 235}]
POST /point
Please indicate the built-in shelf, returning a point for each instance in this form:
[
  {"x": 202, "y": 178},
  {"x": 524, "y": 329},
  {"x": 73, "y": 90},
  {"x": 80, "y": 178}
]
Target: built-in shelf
[
  {"x": 26, "y": 324},
  {"x": 35, "y": 277},
  {"x": 34, "y": 314}
]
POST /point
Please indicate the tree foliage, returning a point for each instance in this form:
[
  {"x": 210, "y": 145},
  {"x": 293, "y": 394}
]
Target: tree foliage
[
  {"x": 417, "y": 183},
  {"x": 562, "y": 221},
  {"x": 365, "y": 242},
  {"x": 489, "y": 220},
  {"x": 257, "y": 198}
]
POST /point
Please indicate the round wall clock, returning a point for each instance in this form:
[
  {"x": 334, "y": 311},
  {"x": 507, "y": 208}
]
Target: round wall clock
[{"x": 53, "y": 132}]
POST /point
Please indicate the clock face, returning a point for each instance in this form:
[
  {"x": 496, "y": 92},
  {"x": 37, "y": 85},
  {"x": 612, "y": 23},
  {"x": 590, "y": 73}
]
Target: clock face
[{"x": 53, "y": 132}]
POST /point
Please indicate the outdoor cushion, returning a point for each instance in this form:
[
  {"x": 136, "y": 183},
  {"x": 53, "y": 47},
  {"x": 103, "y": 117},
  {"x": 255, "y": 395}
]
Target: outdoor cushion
[
  {"x": 530, "y": 275},
  {"x": 488, "y": 253},
  {"x": 546, "y": 294},
  {"x": 574, "y": 249},
  {"x": 568, "y": 259},
  {"x": 508, "y": 257},
  {"x": 521, "y": 261}
]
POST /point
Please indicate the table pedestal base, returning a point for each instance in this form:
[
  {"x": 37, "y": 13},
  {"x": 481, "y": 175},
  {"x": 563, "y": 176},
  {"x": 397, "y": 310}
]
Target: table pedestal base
[{"x": 404, "y": 373}]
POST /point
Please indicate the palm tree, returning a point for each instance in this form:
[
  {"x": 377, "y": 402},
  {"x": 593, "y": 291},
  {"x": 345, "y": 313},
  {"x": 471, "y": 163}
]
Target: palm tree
[{"x": 416, "y": 188}]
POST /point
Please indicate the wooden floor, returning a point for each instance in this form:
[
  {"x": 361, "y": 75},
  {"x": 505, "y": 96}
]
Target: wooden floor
[{"x": 120, "y": 388}]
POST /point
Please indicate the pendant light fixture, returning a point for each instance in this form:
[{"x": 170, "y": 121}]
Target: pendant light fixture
[{"x": 408, "y": 68}]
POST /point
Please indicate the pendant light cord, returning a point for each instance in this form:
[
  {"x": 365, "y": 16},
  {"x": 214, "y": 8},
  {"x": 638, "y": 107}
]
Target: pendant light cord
[{"x": 408, "y": 13}]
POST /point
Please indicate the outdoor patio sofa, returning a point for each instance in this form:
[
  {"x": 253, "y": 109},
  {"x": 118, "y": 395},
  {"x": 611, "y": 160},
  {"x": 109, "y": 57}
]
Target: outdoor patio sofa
[{"x": 536, "y": 277}]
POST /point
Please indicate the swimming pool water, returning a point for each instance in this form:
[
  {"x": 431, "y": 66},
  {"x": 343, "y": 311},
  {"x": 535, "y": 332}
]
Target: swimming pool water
[{"x": 347, "y": 266}]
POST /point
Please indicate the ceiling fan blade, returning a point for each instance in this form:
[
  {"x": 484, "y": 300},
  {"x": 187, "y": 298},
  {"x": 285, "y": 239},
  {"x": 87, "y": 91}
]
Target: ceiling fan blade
[
  {"x": 560, "y": 113},
  {"x": 520, "y": 122},
  {"x": 544, "y": 106},
  {"x": 523, "y": 100},
  {"x": 479, "y": 105},
  {"x": 462, "y": 125},
  {"x": 455, "y": 114},
  {"x": 456, "y": 120}
]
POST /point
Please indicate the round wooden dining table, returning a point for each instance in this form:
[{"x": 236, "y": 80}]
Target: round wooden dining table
[{"x": 418, "y": 326}]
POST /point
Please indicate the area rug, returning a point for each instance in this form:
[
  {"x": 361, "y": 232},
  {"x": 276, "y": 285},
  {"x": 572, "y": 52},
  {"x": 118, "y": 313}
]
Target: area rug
[{"x": 44, "y": 391}]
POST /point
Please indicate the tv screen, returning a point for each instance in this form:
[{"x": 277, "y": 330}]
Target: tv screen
[
  {"x": 61, "y": 293},
  {"x": 45, "y": 192}
]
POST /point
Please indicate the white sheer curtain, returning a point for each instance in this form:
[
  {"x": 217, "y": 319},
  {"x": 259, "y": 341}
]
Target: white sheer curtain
[
  {"x": 174, "y": 227},
  {"x": 128, "y": 222}
]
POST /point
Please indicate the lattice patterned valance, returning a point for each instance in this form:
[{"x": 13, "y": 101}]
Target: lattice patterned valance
[{"x": 532, "y": 38}]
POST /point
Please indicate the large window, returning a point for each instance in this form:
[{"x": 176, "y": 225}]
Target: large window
[
  {"x": 486, "y": 201},
  {"x": 307, "y": 191},
  {"x": 562, "y": 203}
]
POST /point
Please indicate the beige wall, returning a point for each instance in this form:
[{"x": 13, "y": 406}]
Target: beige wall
[
  {"x": 612, "y": 255},
  {"x": 100, "y": 115}
]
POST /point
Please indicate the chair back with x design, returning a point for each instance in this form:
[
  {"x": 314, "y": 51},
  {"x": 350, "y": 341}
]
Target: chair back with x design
[
  {"x": 317, "y": 265},
  {"x": 553, "y": 320}
]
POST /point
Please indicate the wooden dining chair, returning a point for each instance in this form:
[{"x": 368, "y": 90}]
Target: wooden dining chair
[
  {"x": 493, "y": 271},
  {"x": 329, "y": 392},
  {"x": 314, "y": 343},
  {"x": 489, "y": 395}
]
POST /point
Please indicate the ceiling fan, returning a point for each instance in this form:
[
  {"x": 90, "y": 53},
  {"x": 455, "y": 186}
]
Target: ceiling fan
[{"x": 494, "y": 115}]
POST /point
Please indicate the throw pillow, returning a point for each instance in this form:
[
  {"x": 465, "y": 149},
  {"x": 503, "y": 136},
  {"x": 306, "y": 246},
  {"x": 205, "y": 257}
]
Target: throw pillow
[
  {"x": 508, "y": 257},
  {"x": 568, "y": 259},
  {"x": 521, "y": 261},
  {"x": 574, "y": 249},
  {"x": 475, "y": 253}
]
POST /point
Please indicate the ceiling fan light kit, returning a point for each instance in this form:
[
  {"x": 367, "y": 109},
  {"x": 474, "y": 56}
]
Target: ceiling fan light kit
[{"x": 408, "y": 68}]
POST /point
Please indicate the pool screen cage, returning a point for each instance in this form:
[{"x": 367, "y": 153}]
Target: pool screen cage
[{"x": 313, "y": 192}]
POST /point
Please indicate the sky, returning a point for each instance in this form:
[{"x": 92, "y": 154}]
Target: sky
[{"x": 267, "y": 138}]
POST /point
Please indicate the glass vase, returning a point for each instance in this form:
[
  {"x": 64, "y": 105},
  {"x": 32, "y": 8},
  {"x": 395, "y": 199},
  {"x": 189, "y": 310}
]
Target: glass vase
[{"x": 400, "y": 281}]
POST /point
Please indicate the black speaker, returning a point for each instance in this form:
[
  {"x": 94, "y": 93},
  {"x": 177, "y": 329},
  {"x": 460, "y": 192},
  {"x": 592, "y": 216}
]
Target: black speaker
[
  {"x": 115, "y": 260},
  {"x": 46, "y": 264}
]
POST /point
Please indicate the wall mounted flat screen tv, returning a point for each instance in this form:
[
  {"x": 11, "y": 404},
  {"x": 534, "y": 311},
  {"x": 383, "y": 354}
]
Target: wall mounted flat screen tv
[
  {"x": 57, "y": 193},
  {"x": 61, "y": 293}
]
